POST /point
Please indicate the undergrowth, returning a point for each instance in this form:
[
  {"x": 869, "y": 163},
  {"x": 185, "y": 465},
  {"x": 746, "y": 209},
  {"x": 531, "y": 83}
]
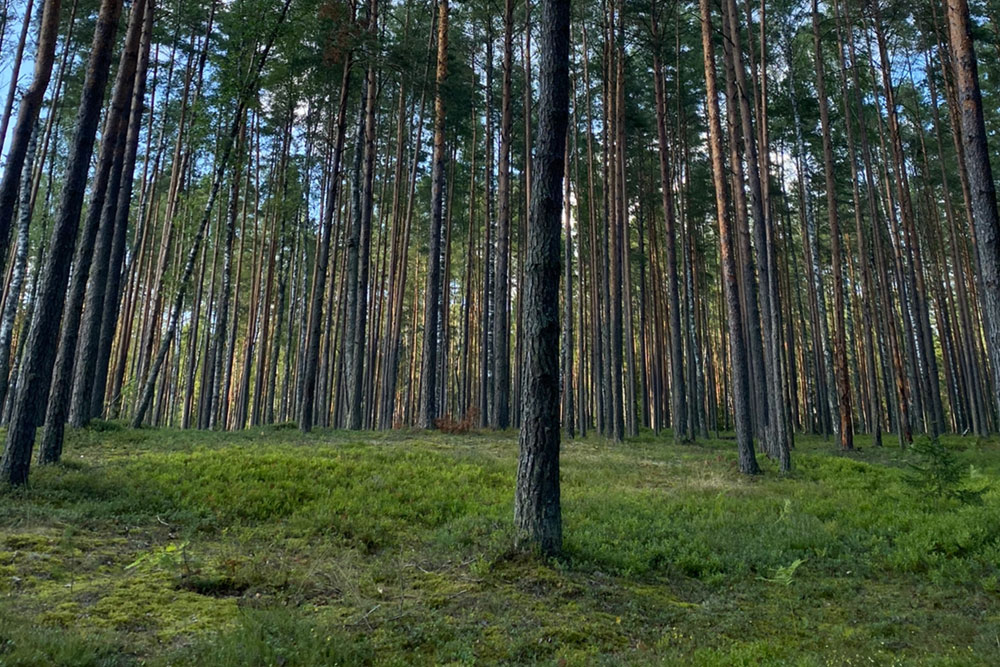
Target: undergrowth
[{"x": 271, "y": 547}]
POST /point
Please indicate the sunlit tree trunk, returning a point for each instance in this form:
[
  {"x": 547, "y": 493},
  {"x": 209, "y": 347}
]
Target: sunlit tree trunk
[{"x": 740, "y": 371}]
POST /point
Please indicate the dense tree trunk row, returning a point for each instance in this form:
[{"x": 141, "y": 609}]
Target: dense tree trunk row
[{"x": 796, "y": 232}]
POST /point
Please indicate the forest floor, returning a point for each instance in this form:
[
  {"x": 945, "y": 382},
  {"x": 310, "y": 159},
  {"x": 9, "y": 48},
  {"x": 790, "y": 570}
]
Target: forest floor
[{"x": 269, "y": 547}]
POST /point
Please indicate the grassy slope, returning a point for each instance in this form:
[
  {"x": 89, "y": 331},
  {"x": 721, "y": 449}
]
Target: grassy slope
[{"x": 269, "y": 547}]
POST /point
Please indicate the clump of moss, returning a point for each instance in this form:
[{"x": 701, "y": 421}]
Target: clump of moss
[
  {"x": 28, "y": 542},
  {"x": 151, "y": 602}
]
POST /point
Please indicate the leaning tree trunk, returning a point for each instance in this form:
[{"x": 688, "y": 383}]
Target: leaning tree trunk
[
  {"x": 149, "y": 385},
  {"x": 27, "y": 115},
  {"x": 17, "y": 276},
  {"x": 15, "y": 67},
  {"x": 36, "y": 369},
  {"x": 537, "y": 515},
  {"x": 91, "y": 380},
  {"x": 99, "y": 215}
]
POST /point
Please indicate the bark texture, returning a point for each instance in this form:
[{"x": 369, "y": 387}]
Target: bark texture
[
  {"x": 537, "y": 517},
  {"x": 36, "y": 369}
]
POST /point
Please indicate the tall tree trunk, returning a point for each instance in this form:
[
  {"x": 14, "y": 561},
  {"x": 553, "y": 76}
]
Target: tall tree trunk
[
  {"x": 465, "y": 398},
  {"x": 360, "y": 243},
  {"x": 614, "y": 239},
  {"x": 537, "y": 516},
  {"x": 740, "y": 371},
  {"x": 927, "y": 370},
  {"x": 566, "y": 383},
  {"x": 398, "y": 295},
  {"x": 980, "y": 175},
  {"x": 36, "y": 370},
  {"x": 846, "y": 430},
  {"x": 15, "y": 69},
  {"x": 27, "y": 116},
  {"x": 777, "y": 441},
  {"x": 428, "y": 366},
  {"x": 310, "y": 362},
  {"x": 487, "y": 349},
  {"x": 868, "y": 291},
  {"x": 102, "y": 306},
  {"x": 501, "y": 289},
  {"x": 678, "y": 392},
  {"x": 220, "y": 388},
  {"x": 17, "y": 276},
  {"x": 100, "y": 214}
]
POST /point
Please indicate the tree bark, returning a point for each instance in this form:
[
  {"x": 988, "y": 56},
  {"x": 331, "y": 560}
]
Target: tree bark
[
  {"x": 537, "y": 515},
  {"x": 36, "y": 369},
  {"x": 428, "y": 366},
  {"x": 104, "y": 305},
  {"x": 738, "y": 356},
  {"x": 27, "y": 116},
  {"x": 846, "y": 430},
  {"x": 501, "y": 286},
  {"x": 678, "y": 392},
  {"x": 980, "y": 175},
  {"x": 100, "y": 217},
  {"x": 310, "y": 363},
  {"x": 17, "y": 276}
]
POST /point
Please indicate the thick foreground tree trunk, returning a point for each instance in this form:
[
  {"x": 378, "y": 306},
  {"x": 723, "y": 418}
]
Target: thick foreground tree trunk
[
  {"x": 36, "y": 369},
  {"x": 537, "y": 517},
  {"x": 107, "y": 173}
]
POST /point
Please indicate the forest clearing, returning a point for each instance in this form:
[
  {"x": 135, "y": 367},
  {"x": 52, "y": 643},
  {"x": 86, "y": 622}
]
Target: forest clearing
[{"x": 270, "y": 547}]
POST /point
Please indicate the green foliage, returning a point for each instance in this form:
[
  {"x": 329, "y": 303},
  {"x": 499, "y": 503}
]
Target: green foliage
[
  {"x": 25, "y": 645},
  {"x": 271, "y": 547},
  {"x": 783, "y": 575},
  {"x": 938, "y": 472},
  {"x": 170, "y": 557},
  {"x": 276, "y": 637},
  {"x": 103, "y": 425}
]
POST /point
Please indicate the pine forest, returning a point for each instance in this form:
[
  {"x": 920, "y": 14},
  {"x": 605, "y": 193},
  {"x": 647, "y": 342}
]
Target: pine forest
[{"x": 302, "y": 301}]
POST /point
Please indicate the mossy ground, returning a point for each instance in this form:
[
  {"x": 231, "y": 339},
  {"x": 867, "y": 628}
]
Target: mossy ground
[{"x": 269, "y": 547}]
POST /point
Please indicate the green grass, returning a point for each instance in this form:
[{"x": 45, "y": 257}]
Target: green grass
[{"x": 269, "y": 547}]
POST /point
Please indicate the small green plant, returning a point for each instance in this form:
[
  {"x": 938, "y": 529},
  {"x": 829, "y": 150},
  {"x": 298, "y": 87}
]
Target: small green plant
[
  {"x": 937, "y": 471},
  {"x": 783, "y": 575},
  {"x": 786, "y": 510},
  {"x": 172, "y": 558}
]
